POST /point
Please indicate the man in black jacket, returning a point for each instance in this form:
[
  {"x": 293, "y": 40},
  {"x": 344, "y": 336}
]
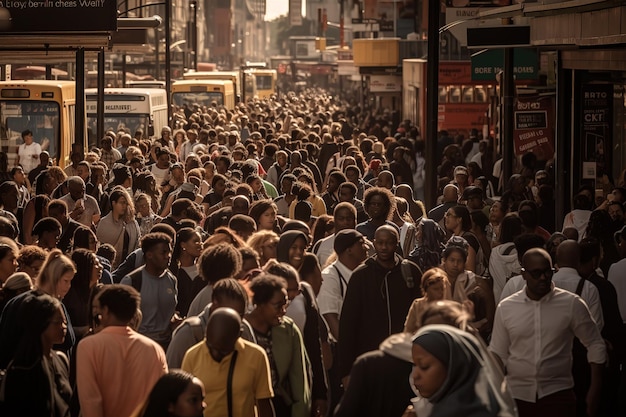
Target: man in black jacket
[{"x": 377, "y": 300}]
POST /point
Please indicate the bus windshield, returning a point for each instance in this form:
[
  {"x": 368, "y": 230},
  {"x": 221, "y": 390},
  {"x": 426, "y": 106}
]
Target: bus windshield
[
  {"x": 41, "y": 117},
  {"x": 200, "y": 98},
  {"x": 116, "y": 122},
  {"x": 264, "y": 82}
]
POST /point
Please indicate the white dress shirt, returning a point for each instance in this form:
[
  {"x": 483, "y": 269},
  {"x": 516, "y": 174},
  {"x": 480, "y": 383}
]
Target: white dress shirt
[
  {"x": 568, "y": 278},
  {"x": 617, "y": 272},
  {"x": 534, "y": 340},
  {"x": 330, "y": 297}
]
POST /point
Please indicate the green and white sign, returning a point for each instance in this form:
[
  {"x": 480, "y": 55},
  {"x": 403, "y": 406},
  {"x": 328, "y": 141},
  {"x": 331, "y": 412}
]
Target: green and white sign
[{"x": 488, "y": 62}]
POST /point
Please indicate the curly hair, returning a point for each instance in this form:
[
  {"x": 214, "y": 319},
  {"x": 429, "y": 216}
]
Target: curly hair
[
  {"x": 218, "y": 262},
  {"x": 390, "y": 202}
]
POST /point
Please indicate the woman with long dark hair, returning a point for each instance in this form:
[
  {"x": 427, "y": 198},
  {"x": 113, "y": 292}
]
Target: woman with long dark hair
[
  {"x": 458, "y": 221},
  {"x": 37, "y": 378},
  {"x": 176, "y": 394},
  {"x": 88, "y": 274},
  {"x": 187, "y": 249}
]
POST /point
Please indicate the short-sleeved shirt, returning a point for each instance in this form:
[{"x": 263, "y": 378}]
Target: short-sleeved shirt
[
  {"x": 29, "y": 156},
  {"x": 251, "y": 378},
  {"x": 158, "y": 304},
  {"x": 90, "y": 205}
]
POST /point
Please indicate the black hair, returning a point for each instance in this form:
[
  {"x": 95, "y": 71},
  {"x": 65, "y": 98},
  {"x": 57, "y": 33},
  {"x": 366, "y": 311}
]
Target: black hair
[
  {"x": 510, "y": 228},
  {"x": 264, "y": 287},
  {"x": 151, "y": 240},
  {"x": 166, "y": 392},
  {"x": 218, "y": 262},
  {"x": 107, "y": 251},
  {"x": 47, "y": 224},
  {"x": 121, "y": 300}
]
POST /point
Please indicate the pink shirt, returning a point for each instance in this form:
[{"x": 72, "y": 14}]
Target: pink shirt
[{"x": 116, "y": 370}]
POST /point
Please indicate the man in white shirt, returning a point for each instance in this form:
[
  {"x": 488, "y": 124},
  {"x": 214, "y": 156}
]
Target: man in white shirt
[
  {"x": 533, "y": 333},
  {"x": 617, "y": 272},
  {"x": 568, "y": 261},
  {"x": 351, "y": 250},
  {"x": 28, "y": 152}
]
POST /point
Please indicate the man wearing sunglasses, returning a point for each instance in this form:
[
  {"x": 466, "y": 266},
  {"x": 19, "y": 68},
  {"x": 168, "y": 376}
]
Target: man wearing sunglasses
[{"x": 533, "y": 334}]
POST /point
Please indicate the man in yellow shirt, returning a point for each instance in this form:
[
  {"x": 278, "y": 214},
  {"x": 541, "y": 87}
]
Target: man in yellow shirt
[{"x": 235, "y": 372}]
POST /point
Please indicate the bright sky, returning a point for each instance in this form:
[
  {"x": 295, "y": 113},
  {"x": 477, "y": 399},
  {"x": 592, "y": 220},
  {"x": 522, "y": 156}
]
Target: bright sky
[{"x": 275, "y": 8}]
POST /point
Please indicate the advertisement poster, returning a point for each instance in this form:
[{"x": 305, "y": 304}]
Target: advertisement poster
[
  {"x": 534, "y": 126},
  {"x": 596, "y": 126}
]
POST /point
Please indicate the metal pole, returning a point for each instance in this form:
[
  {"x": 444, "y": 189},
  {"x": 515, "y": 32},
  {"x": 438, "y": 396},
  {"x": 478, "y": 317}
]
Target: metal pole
[
  {"x": 508, "y": 112},
  {"x": 79, "y": 115},
  {"x": 342, "y": 36},
  {"x": 157, "y": 59},
  {"x": 432, "y": 97},
  {"x": 48, "y": 72},
  {"x": 100, "y": 100},
  {"x": 123, "y": 70},
  {"x": 168, "y": 41},
  {"x": 194, "y": 37}
]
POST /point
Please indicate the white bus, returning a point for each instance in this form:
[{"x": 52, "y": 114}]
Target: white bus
[{"x": 131, "y": 108}]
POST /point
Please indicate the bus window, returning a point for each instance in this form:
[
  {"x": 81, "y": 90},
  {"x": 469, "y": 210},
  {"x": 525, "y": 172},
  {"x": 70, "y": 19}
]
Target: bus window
[
  {"x": 443, "y": 95},
  {"x": 482, "y": 95},
  {"x": 455, "y": 94},
  {"x": 468, "y": 94},
  {"x": 200, "y": 98},
  {"x": 264, "y": 82},
  {"x": 41, "y": 117}
]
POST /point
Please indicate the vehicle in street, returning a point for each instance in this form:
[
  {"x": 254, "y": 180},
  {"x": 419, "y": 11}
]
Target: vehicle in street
[
  {"x": 463, "y": 103},
  {"x": 47, "y": 108},
  {"x": 265, "y": 82},
  {"x": 234, "y": 76},
  {"x": 203, "y": 93},
  {"x": 132, "y": 108}
]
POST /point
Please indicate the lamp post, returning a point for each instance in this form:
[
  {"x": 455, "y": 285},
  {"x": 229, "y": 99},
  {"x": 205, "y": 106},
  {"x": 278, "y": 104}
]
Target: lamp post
[
  {"x": 194, "y": 32},
  {"x": 432, "y": 97},
  {"x": 168, "y": 63}
]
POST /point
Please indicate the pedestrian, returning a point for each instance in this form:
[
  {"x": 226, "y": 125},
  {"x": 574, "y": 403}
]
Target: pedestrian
[
  {"x": 37, "y": 377},
  {"x": 117, "y": 367}
]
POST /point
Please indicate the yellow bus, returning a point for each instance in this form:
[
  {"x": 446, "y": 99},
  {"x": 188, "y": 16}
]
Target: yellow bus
[
  {"x": 217, "y": 75},
  {"x": 47, "y": 108},
  {"x": 265, "y": 81},
  {"x": 203, "y": 93}
]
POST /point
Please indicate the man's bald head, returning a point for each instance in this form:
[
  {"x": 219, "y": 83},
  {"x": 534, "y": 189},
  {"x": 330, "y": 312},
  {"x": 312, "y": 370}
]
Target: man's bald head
[
  {"x": 387, "y": 229},
  {"x": 535, "y": 254},
  {"x": 568, "y": 254},
  {"x": 404, "y": 191},
  {"x": 450, "y": 193},
  {"x": 222, "y": 331}
]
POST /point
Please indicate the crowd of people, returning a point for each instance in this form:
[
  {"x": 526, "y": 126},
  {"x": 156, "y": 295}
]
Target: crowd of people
[{"x": 278, "y": 260}]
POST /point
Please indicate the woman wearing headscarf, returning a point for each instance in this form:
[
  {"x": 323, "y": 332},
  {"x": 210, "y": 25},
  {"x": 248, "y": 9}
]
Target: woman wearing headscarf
[
  {"x": 456, "y": 376},
  {"x": 291, "y": 247}
]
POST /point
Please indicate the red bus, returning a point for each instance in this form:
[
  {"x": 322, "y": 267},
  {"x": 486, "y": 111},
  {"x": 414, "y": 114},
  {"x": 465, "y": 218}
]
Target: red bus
[{"x": 463, "y": 103}]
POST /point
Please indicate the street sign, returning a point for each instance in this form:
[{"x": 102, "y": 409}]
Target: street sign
[
  {"x": 505, "y": 36},
  {"x": 534, "y": 126},
  {"x": 486, "y": 64},
  {"x": 34, "y": 16}
]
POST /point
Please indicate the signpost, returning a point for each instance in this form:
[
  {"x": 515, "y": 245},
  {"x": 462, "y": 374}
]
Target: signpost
[
  {"x": 32, "y": 16},
  {"x": 489, "y": 62}
]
